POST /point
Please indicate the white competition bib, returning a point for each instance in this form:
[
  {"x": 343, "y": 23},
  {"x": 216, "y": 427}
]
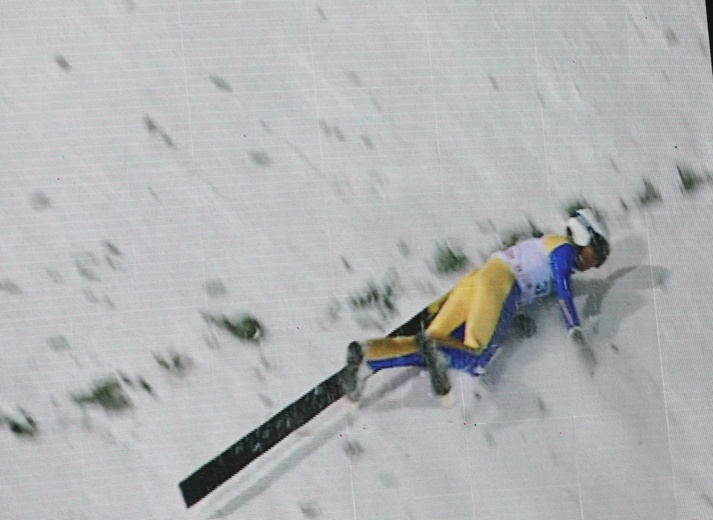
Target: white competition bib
[{"x": 530, "y": 263}]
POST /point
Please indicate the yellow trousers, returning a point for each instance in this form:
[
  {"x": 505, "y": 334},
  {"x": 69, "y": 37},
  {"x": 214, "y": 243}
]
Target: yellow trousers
[{"x": 473, "y": 308}]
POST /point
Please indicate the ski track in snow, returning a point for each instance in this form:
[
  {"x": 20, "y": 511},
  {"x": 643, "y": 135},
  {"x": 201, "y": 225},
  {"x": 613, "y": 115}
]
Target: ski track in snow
[{"x": 163, "y": 161}]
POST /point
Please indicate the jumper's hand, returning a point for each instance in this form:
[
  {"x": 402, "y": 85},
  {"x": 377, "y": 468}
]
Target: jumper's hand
[
  {"x": 585, "y": 352},
  {"x": 577, "y": 335}
]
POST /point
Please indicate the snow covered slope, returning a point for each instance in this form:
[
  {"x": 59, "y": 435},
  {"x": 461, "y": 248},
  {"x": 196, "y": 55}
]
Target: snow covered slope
[{"x": 163, "y": 161}]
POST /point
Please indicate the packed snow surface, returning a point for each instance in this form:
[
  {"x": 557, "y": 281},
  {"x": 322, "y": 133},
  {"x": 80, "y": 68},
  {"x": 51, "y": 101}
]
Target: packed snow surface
[{"x": 165, "y": 162}]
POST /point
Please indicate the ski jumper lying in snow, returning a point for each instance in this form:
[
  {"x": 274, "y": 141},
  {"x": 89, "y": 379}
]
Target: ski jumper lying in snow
[{"x": 469, "y": 322}]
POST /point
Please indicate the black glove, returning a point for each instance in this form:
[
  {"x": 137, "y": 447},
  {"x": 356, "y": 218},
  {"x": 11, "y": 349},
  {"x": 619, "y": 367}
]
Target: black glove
[{"x": 524, "y": 325}]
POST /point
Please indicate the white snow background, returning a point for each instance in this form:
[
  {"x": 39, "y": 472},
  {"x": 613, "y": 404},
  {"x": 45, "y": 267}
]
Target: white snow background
[{"x": 160, "y": 160}]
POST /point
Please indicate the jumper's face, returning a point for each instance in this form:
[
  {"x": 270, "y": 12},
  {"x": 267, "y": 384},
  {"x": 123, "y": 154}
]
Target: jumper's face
[{"x": 586, "y": 259}]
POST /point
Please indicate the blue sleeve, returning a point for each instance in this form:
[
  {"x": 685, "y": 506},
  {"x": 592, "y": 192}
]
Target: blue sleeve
[{"x": 562, "y": 261}]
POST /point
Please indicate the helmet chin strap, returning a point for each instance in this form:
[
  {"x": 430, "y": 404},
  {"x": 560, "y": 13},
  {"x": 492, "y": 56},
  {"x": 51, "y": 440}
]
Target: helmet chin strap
[
  {"x": 580, "y": 262},
  {"x": 580, "y": 259}
]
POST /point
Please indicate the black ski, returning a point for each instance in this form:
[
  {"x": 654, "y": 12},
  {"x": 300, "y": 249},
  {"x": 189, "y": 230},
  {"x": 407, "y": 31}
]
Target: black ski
[{"x": 214, "y": 473}]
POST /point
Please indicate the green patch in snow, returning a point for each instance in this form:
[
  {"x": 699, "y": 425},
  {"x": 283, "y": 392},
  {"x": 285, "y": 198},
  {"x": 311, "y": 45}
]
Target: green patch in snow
[
  {"x": 690, "y": 181},
  {"x": 22, "y": 425},
  {"x": 245, "y": 327},
  {"x": 649, "y": 195},
  {"x": 174, "y": 363},
  {"x": 449, "y": 260},
  {"x": 106, "y": 393}
]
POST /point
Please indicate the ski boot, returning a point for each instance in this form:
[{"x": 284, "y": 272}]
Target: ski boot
[
  {"x": 437, "y": 365},
  {"x": 356, "y": 372}
]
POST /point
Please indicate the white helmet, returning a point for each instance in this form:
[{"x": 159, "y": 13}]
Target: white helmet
[{"x": 586, "y": 229}]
